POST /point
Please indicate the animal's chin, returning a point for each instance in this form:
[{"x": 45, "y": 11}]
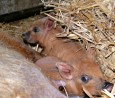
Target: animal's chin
[
  {"x": 108, "y": 86},
  {"x": 30, "y": 43}
]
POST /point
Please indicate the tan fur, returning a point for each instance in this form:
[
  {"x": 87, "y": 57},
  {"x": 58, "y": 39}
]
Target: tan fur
[
  {"x": 70, "y": 52},
  {"x": 19, "y": 78},
  {"x": 19, "y": 46},
  {"x": 48, "y": 67}
]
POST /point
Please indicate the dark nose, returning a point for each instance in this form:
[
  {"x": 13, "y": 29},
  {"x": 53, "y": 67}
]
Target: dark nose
[
  {"x": 108, "y": 86},
  {"x": 24, "y": 35}
]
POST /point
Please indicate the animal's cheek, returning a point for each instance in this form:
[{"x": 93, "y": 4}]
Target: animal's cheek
[
  {"x": 98, "y": 83},
  {"x": 75, "y": 88},
  {"x": 93, "y": 87},
  {"x": 79, "y": 88},
  {"x": 33, "y": 37}
]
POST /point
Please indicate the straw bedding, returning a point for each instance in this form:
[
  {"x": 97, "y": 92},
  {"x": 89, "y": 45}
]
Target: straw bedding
[{"x": 89, "y": 20}]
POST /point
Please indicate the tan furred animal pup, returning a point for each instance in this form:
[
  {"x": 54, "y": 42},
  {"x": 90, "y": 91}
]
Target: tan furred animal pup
[{"x": 84, "y": 71}]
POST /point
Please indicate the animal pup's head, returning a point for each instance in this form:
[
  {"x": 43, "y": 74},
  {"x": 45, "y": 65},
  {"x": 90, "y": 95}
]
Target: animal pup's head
[
  {"x": 39, "y": 30},
  {"x": 87, "y": 74}
]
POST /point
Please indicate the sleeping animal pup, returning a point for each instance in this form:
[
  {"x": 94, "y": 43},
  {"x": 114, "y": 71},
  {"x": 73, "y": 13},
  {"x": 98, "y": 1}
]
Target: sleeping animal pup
[{"x": 81, "y": 68}]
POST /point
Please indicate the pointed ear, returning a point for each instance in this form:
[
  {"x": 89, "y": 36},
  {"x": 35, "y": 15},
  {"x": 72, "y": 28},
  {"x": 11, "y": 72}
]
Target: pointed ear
[
  {"x": 65, "y": 70},
  {"x": 48, "y": 24}
]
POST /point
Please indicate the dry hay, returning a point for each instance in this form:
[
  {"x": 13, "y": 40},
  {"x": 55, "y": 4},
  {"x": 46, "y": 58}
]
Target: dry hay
[
  {"x": 93, "y": 21},
  {"x": 90, "y": 20}
]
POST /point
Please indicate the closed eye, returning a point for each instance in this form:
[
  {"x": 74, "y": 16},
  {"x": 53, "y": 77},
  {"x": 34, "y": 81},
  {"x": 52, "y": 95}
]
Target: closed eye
[{"x": 36, "y": 29}]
